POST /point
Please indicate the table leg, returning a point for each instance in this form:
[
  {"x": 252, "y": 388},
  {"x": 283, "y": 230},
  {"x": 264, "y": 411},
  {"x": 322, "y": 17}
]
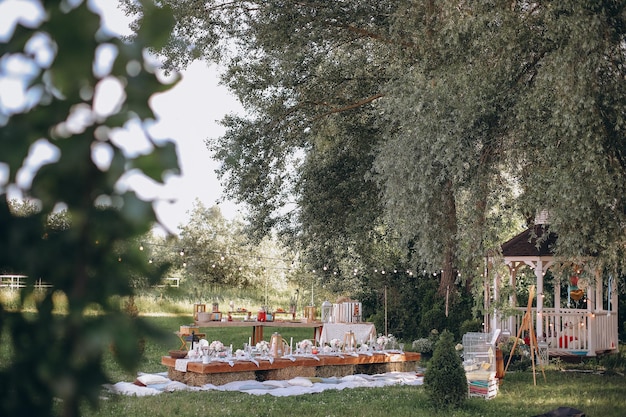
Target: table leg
[
  {"x": 257, "y": 334},
  {"x": 317, "y": 333}
]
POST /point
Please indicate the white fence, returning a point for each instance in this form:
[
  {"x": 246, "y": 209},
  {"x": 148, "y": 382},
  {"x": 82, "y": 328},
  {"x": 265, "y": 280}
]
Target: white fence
[
  {"x": 20, "y": 281},
  {"x": 15, "y": 282}
]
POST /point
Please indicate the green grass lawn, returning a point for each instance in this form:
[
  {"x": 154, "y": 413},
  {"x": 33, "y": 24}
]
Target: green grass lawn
[{"x": 596, "y": 395}]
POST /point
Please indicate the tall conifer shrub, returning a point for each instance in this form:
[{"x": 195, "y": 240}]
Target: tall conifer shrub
[{"x": 444, "y": 380}]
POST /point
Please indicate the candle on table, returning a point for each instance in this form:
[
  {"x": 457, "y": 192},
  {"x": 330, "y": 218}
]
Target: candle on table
[{"x": 291, "y": 346}]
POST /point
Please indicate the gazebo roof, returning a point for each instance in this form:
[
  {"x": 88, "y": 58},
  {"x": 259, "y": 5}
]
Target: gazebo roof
[{"x": 525, "y": 243}]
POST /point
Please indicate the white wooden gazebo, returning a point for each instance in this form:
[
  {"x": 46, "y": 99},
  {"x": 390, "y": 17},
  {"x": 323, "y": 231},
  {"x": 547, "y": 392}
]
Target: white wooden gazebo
[{"x": 565, "y": 329}]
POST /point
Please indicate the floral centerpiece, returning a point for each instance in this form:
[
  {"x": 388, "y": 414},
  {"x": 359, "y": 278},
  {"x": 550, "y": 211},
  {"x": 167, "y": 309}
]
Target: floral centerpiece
[
  {"x": 216, "y": 346},
  {"x": 382, "y": 341},
  {"x": 263, "y": 347},
  {"x": 335, "y": 344},
  {"x": 306, "y": 345}
]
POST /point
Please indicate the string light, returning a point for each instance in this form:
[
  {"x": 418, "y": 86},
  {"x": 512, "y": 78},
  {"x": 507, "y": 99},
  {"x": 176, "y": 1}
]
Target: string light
[{"x": 325, "y": 268}]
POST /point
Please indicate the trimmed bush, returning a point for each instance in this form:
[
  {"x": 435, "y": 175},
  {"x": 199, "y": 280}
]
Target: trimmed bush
[{"x": 444, "y": 381}]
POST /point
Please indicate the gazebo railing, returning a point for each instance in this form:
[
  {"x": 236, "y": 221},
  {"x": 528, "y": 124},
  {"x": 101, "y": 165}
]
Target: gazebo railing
[
  {"x": 605, "y": 323},
  {"x": 569, "y": 331}
]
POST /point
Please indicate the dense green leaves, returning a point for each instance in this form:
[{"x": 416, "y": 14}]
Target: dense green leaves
[
  {"x": 75, "y": 250},
  {"x": 465, "y": 120}
]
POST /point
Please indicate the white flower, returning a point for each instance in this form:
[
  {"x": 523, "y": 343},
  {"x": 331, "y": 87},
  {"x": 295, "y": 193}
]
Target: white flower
[
  {"x": 239, "y": 353},
  {"x": 459, "y": 346},
  {"x": 305, "y": 344},
  {"x": 263, "y": 346},
  {"x": 336, "y": 343},
  {"x": 382, "y": 340},
  {"x": 216, "y": 346}
]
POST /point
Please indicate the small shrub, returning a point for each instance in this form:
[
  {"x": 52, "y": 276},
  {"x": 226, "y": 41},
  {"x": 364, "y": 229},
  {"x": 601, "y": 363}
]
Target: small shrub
[
  {"x": 423, "y": 345},
  {"x": 445, "y": 381},
  {"x": 470, "y": 326}
]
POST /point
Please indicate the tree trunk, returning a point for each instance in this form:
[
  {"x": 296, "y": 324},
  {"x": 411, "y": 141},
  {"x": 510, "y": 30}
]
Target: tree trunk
[{"x": 446, "y": 285}]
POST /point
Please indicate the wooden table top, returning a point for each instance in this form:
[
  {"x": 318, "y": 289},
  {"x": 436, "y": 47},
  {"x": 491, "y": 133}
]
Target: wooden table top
[
  {"x": 254, "y": 323},
  {"x": 279, "y": 363}
]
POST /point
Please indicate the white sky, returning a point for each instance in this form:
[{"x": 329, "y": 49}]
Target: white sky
[{"x": 187, "y": 114}]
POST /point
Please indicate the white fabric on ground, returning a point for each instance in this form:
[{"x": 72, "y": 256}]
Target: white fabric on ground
[{"x": 295, "y": 386}]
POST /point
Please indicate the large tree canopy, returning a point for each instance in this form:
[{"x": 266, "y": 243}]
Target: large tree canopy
[{"x": 443, "y": 120}]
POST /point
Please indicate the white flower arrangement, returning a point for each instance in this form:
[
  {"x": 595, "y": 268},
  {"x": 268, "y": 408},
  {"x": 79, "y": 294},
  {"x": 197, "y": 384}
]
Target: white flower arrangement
[
  {"x": 263, "y": 347},
  {"x": 240, "y": 354},
  {"x": 194, "y": 353},
  {"x": 216, "y": 346},
  {"x": 327, "y": 349},
  {"x": 382, "y": 340},
  {"x": 336, "y": 343},
  {"x": 306, "y": 344}
]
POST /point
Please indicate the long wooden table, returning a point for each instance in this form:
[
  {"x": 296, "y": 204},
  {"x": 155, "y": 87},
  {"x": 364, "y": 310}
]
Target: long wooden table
[
  {"x": 219, "y": 373},
  {"x": 258, "y": 326}
]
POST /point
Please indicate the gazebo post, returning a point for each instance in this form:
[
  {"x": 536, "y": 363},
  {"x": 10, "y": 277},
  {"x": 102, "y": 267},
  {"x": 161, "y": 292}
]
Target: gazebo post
[
  {"x": 539, "y": 274},
  {"x": 557, "y": 294},
  {"x": 513, "y": 297}
]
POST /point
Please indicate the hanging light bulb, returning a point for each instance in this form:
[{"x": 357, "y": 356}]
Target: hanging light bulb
[
  {"x": 150, "y": 261},
  {"x": 182, "y": 252},
  {"x": 141, "y": 246}
]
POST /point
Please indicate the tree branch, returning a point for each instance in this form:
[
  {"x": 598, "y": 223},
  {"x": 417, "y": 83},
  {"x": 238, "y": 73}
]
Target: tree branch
[{"x": 350, "y": 106}]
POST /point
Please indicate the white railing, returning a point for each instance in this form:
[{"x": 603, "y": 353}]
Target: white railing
[
  {"x": 606, "y": 337},
  {"x": 570, "y": 331},
  {"x": 567, "y": 330},
  {"x": 19, "y": 281}
]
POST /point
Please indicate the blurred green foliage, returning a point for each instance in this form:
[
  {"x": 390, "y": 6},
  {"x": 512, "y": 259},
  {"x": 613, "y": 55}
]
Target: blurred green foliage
[{"x": 59, "y": 357}]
